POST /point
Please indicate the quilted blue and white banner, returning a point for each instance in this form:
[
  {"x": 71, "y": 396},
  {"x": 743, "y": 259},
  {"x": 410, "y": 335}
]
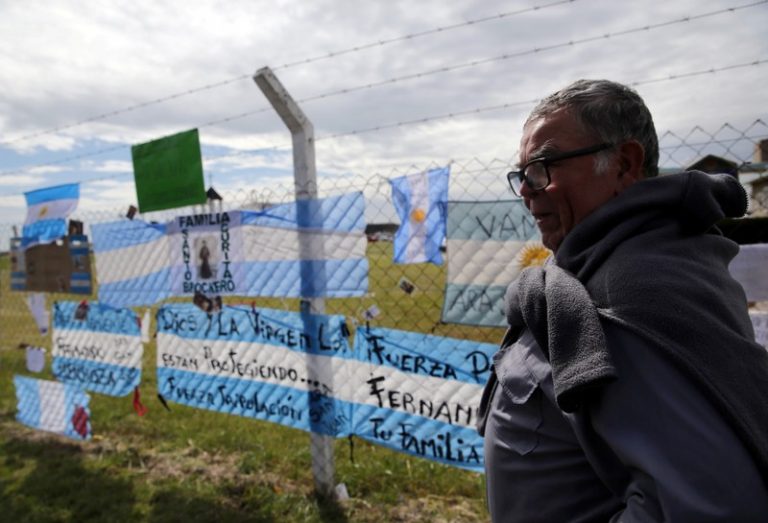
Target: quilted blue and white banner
[
  {"x": 309, "y": 248},
  {"x": 53, "y": 407},
  {"x": 488, "y": 244},
  {"x": 96, "y": 347},
  {"x": 132, "y": 262},
  {"x": 279, "y": 366},
  {"x": 420, "y": 201},
  {"x": 420, "y": 394},
  {"x": 760, "y": 325},
  {"x": 750, "y": 269}
]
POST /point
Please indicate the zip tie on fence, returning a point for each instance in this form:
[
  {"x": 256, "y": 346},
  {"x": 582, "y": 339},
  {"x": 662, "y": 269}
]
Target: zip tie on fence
[
  {"x": 351, "y": 449},
  {"x": 162, "y": 400}
]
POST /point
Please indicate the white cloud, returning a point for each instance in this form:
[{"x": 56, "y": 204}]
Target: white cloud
[{"x": 96, "y": 57}]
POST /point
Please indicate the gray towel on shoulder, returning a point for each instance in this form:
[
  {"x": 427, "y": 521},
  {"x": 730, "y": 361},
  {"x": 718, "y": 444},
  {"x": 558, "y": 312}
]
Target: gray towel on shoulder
[{"x": 557, "y": 309}]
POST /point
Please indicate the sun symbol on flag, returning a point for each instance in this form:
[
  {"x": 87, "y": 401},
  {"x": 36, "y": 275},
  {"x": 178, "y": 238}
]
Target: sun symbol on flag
[
  {"x": 418, "y": 215},
  {"x": 43, "y": 211},
  {"x": 533, "y": 254}
]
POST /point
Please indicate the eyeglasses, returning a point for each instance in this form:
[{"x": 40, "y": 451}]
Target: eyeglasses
[{"x": 535, "y": 173}]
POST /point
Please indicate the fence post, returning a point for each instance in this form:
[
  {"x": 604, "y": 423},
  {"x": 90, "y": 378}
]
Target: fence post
[{"x": 310, "y": 248}]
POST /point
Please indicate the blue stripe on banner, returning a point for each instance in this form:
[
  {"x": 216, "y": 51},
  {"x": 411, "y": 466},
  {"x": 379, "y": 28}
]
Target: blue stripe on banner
[
  {"x": 339, "y": 213},
  {"x": 495, "y": 220},
  {"x": 124, "y": 233},
  {"x": 81, "y": 276},
  {"x": 28, "y": 399},
  {"x": 287, "y": 406},
  {"x": 306, "y": 333},
  {"x": 474, "y": 305},
  {"x": 426, "y": 355},
  {"x": 145, "y": 290},
  {"x": 421, "y": 437},
  {"x": 100, "y": 318},
  {"x": 112, "y": 380},
  {"x": 43, "y": 231},
  {"x": 69, "y": 191}
]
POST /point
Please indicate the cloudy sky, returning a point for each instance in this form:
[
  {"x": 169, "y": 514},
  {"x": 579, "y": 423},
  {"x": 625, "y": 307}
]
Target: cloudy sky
[{"x": 83, "y": 80}]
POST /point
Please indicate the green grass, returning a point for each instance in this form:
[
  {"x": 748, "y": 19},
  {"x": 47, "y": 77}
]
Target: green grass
[{"x": 194, "y": 465}]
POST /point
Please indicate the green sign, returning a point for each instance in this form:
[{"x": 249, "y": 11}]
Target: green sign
[{"x": 169, "y": 172}]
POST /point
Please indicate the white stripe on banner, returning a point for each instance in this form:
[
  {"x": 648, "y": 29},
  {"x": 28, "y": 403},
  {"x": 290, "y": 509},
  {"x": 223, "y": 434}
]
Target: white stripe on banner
[
  {"x": 50, "y": 210},
  {"x": 132, "y": 261},
  {"x": 99, "y": 347},
  {"x": 448, "y": 401},
  {"x": 760, "y": 325},
  {"x": 416, "y": 249},
  {"x": 262, "y": 362},
  {"x": 750, "y": 269},
  {"x": 479, "y": 262},
  {"x": 274, "y": 244},
  {"x": 53, "y": 406}
]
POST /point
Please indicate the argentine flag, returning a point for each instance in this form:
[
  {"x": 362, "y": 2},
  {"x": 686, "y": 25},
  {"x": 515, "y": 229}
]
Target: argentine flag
[
  {"x": 421, "y": 203},
  {"x": 53, "y": 407},
  {"x": 47, "y": 211}
]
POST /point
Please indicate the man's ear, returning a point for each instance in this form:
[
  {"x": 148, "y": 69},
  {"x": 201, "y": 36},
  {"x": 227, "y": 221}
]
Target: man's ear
[{"x": 630, "y": 156}]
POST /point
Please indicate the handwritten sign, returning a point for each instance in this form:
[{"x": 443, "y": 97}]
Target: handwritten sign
[
  {"x": 484, "y": 243},
  {"x": 420, "y": 394},
  {"x": 266, "y": 364},
  {"x": 101, "y": 351}
]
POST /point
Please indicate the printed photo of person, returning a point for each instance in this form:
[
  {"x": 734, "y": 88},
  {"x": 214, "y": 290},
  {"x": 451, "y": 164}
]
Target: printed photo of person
[{"x": 206, "y": 251}]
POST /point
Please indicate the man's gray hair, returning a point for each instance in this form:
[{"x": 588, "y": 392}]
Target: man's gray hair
[{"x": 613, "y": 112}]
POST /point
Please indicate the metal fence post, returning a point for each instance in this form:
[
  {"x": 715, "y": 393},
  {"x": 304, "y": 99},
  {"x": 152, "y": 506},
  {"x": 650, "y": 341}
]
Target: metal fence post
[{"x": 310, "y": 248}]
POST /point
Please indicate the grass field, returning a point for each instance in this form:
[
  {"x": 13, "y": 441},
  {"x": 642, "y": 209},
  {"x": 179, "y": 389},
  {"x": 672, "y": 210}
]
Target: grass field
[{"x": 192, "y": 465}]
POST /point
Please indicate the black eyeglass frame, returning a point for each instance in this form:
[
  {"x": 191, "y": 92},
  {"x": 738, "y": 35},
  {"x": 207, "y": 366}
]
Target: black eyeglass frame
[{"x": 545, "y": 161}]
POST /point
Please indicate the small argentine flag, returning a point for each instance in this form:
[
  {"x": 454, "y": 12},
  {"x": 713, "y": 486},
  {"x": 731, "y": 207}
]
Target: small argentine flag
[
  {"x": 53, "y": 406},
  {"x": 47, "y": 210},
  {"x": 421, "y": 203}
]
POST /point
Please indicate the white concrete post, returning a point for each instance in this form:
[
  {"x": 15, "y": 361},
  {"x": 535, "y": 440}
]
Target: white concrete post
[{"x": 310, "y": 248}]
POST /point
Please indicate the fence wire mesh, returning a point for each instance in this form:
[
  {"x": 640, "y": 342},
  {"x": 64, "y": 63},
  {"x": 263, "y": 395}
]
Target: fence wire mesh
[{"x": 417, "y": 311}]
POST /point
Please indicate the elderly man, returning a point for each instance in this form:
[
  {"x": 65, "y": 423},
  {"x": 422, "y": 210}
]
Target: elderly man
[{"x": 628, "y": 386}]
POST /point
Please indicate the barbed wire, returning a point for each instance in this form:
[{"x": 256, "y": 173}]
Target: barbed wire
[
  {"x": 389, "y": 81},
  {"x": 454, "y": 114},
  {"x": 288, "y": 65}
]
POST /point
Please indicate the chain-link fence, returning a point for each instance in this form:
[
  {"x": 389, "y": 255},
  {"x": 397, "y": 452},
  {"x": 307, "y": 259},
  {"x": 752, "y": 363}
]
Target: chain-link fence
[{"x": 414, "y": 307}]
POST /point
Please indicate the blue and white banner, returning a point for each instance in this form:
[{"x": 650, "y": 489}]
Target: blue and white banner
[
  {"x": 310, "y": 248},
  {"x": 278, "y": 366},
  {"x": 420, "y": 394},
  {"x": 132, "y": 262},
  {"x": 96, "y": 347},
  {"x": 47, "y": 212},
  {"x": 420, "y": 201},
  {"x": 489, "y": 242},
  {"x": 750, "y": 269},
  {"x": 760, "y": 325},
  {"x": 53, "y": 407}
]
